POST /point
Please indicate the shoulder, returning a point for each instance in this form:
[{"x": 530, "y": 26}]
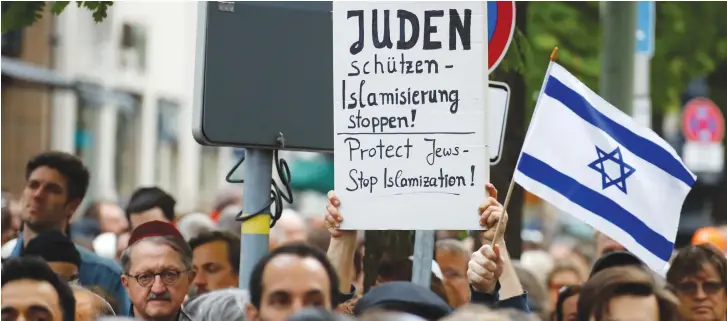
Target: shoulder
[
  {"x": 101, "y": 264},
  {"x": 8, "y": 249}
]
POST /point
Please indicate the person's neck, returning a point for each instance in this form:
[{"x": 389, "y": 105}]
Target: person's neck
[
  {"x": 140, "y": 316},
  {"x": 29, "y": 234}
]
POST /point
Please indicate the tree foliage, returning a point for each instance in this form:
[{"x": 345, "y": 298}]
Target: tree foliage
[
  {"x": 21, "y": 14},
  {"x": 691, "y": 40}
]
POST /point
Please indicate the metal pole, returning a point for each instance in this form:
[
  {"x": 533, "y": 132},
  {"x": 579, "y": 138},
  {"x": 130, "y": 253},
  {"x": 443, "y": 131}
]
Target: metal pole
[
  {"x": 642, "y": 97},
  {"x": 255, "y": 231},
  {"x": 644, "y": 33},
  {"x": 423, "y": 256},
  {"x": 617, "y": 73}
]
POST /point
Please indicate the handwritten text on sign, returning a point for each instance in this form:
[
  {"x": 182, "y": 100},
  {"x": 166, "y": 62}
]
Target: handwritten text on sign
[{"x": 409, "y": 82}]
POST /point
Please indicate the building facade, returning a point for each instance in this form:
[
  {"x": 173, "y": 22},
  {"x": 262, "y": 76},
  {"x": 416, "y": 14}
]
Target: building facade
[
  {"x": 26, "y": 107},
  {"x": 143, "y": 51}
]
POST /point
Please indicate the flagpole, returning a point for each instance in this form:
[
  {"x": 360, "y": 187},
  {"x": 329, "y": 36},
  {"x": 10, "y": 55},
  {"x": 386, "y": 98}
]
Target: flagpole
[{"x": 553, "y": 58}]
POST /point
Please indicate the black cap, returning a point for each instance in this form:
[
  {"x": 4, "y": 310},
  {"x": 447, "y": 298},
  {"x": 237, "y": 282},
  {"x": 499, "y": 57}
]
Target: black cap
[
  {"x": 405, "y": 297},
  {"x": 618, "y": 258},
  {"x": 53, "y": 246}
]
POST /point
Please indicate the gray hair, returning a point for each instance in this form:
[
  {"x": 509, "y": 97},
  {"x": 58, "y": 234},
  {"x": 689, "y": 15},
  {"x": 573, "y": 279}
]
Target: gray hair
[
  {"x": 224, "y": 304},
  {"x": 194, "y": 224},
  {"x": 185, "y": 252},
  {"x": 452, "y": 245},
  {"x": 227, "y": 221}
]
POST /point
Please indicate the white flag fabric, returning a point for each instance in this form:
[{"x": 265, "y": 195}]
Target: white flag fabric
[{"x": 591, "y": 160}]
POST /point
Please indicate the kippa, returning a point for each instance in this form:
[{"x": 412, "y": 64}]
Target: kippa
[
  {"x": 403, "y": 296},
  {"x": 618, "y": 258},
  {"x": 156, "y": 228}
]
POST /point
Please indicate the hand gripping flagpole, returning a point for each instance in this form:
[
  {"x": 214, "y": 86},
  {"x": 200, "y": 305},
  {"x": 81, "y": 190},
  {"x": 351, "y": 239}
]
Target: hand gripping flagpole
[{"x": 553, "y": 58}]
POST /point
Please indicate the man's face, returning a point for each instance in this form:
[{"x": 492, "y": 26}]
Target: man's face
[
  {"x": 570, "y": 308},
  {"x": 212, "y": 267},
  {"x": 154, "y": 214},
  {"x": 157, "y": 299},
  {"x": 290, "y": 283},
  {"x": 30, "y": 300},
  {"x": 702, "y": 296},
  {"x": 45, "y": 200},
  {"x": 112, "y": 218},
  {"x": 65, "y": 270},
  {"x": 633, "y": 308},
  {"x": 454, "y": 269}
]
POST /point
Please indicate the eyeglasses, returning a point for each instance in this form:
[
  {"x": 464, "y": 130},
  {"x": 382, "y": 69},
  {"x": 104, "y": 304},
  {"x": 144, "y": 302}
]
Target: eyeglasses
[
  {"x": 690, "y": 288},
  {"x": 169, "y": 277}
]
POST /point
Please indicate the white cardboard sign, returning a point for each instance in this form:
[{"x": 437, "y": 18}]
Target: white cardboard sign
[{"x": 410, "y": 114}]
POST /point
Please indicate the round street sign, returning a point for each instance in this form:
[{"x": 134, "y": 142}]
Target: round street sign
[
  {"x": 702, "y": 121},
  {"x": 500, "y": 29}
]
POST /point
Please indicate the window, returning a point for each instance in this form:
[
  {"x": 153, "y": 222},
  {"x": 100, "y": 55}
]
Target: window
[
  {"x": 209, "y": 175},
  {"x": 127, "y": 132},
  {"x": 133, "y": 47},
  {"x": 167, "y": 158},
  {"x": 86, "y": 132}
]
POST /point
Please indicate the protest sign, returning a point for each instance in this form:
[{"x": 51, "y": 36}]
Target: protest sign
[{"x": 410, "y": 82}]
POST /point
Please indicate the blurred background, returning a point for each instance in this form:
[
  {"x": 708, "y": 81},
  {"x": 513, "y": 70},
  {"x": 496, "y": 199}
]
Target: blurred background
[{"x": 118, "y": 93}]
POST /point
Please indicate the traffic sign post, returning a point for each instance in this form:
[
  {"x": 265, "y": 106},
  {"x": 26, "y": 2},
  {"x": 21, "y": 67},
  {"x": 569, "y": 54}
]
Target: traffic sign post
[
  {"x": 645, "y": 27},
  {"x": 703, "y": 121},
  {"x": 703, "y": 126},
  {"x": 645, "y": 33}
]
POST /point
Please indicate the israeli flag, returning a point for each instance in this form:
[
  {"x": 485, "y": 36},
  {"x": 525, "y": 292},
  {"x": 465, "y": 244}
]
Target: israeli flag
[{"x": 591, "y": 160}]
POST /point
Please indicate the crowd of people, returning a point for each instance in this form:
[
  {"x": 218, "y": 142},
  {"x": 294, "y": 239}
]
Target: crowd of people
[{"x": 143, "y": 261}]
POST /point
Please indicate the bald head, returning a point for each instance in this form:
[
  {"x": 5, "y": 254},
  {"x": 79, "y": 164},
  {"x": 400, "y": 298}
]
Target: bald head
[
  {"x": 89, "y": 305},
  {"x": 290, "y": 228}
]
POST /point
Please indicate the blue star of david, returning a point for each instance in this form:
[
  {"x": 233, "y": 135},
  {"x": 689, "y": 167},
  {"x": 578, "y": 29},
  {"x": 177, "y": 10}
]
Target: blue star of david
[{"x": 616, "y": 157}]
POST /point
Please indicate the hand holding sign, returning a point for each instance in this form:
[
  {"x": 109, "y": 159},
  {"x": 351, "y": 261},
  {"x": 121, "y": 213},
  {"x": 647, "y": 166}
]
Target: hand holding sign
[{"x": 333, "y": 217}]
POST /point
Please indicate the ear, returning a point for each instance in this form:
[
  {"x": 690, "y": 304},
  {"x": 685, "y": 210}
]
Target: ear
[
  {"x": 251, "y": 313},
  {"x": 72, "y": 206},
  {"x": 125, "y": 281}
]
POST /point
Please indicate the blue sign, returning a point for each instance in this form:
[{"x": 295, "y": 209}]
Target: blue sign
[{"x": 645, "y": 25}]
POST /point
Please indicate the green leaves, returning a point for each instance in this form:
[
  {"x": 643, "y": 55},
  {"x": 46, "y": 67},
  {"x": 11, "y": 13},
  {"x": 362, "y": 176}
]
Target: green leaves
[
  {"x": 99, "y": 8},
  {"x": 58, "y": 7},
  {"x": 21, "y": 14},
  {"x": 691, "y": 40}
]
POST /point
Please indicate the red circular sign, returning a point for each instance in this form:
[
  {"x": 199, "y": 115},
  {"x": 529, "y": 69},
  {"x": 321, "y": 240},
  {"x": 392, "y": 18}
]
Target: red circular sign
[
  {"x": 702, "y": 121},
  {"x": 500, "y": 30}
]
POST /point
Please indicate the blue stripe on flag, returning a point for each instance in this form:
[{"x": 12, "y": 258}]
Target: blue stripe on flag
[
  {"x": 640, "y": 146},
  {"x": 596, "y": 203}
]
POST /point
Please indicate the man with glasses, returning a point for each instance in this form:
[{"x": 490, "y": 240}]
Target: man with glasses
[
  {"x": 698, "y": 275},
  {"x": 157, "y": 271}
]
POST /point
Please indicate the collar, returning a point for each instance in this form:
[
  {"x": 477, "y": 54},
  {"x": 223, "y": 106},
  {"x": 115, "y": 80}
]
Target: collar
[
  {"x": 18, "y": 250},
  {"x": 180, "y": 314}
]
